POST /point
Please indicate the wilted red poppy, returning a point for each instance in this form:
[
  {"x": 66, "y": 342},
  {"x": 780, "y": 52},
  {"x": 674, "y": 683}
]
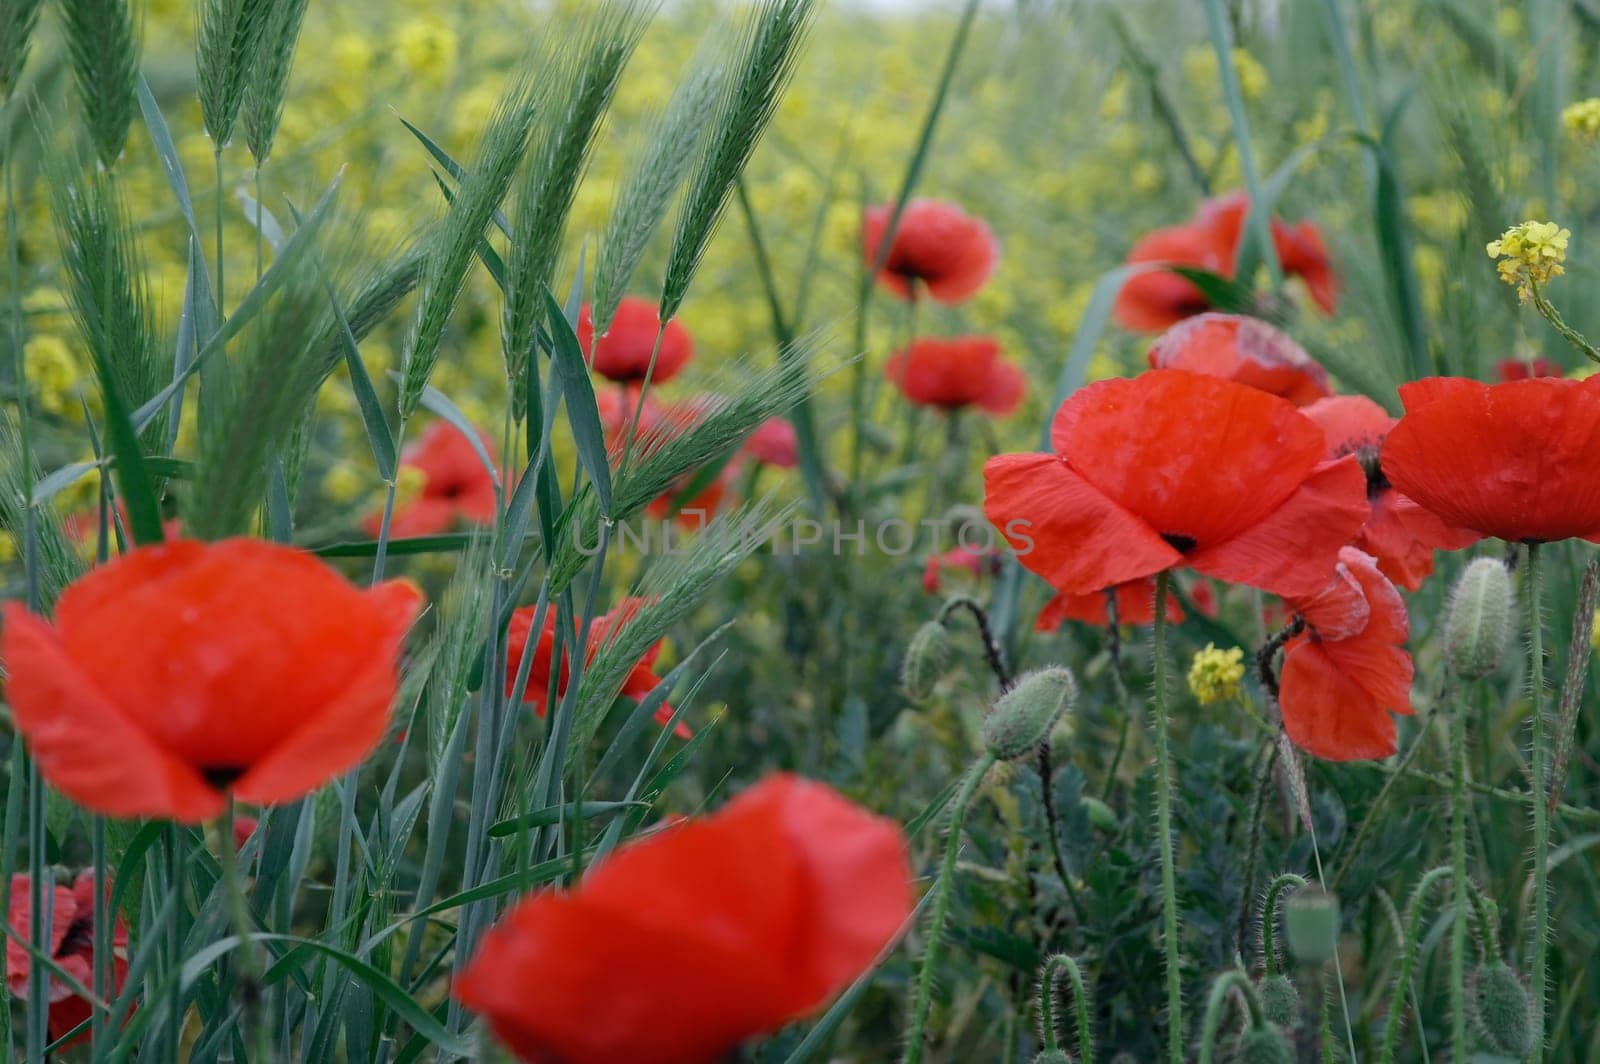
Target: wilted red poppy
[
  {"x": 1136, "y": 604},
  {"x": 1349, "y": 670},
  {"x": 71, "y": 947},
  {"x": 957, "y": 373},
  {"x": 1516, "y": 369},
  {"x": 623, "y": 353},
  {"x": 774, "y": 443},
  {"x": 1172, "y": 469},
  {"x": 936, "y": 245},
  {"x": 1242, "y": 349},
  {"x": 680, "y": 946},
  {"x": 641, "y": 680},
  {"x": 1156, "y": 299},
  {"x": 1515, "y": 461},
  {"x": 456, "y": 486},
  {"x": 1398, "y": 532},
  {"x": 180, "y": 672}
]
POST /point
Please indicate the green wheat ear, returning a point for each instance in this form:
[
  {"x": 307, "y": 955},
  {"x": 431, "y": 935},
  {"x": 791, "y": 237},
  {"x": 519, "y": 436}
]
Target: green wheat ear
[
  {"x": 17, "y": 20},
  {"x": 103, "y": 46},
  {"x": 226, "y": 51},
  {"x": 59, "y": 562},
  {"x": 268, "y": 77}
]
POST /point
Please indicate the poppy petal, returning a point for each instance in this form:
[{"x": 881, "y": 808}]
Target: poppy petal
[{"x": 1326, "y": 713}]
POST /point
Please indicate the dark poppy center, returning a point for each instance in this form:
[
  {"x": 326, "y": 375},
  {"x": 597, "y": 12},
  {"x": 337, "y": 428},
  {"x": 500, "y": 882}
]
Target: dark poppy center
[
  {"x": 1179, "y": 542},
  {"x": 79, "y": 937},
  {"x": 221, "y": 777},
  {"x": 1377, "y": 482}
]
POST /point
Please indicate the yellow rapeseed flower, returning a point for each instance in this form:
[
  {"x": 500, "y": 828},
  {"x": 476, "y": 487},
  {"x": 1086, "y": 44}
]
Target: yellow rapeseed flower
[
  {"x": 1530, "y": 254},
  {"x": 1594, "y": 631},
  {"x": 53, "y": 372},
  {"x": 426, "y": 47},
  {"x": 1214, "y": 674},
  {"x": 1582, "y": 120}
]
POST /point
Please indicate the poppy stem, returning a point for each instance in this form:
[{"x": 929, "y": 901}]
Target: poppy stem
[
  {"x": 1058, "y": 965},
  {"x": 1227, "y": 984},
  {"x": 916, "y": 1035},
  {"x": 243, "y": 926},
  {"x": 1169, "y": 886},
  {"x": 1269, "y": 919},
  {"x": 1541, "y": 811},
  {"x": 1458, "y": 864},
  {"x": 1408, "y": 957}
]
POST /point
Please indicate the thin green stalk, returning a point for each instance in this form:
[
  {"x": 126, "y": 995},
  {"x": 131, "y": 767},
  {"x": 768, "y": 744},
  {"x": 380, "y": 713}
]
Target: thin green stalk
[
  {"x": 1058, "y": 965},
  {"x": 222, "y": 300},
  {"x": 1553, "y": 316},
  {"x": 1169, "y": 886},
  {"x": 1269, "y": 918},
  {"x": 1458, "y": 865},
  {"x": 1228, "y": 982},
  {"x": 916, "y": 1035},
  {"x": 244, "y": 927},
  {"x": 38, "y": 925},
  {"x": 1541, "y": 811}
]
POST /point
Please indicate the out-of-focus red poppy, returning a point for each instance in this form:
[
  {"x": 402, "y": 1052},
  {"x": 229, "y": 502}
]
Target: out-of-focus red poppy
[
  {"x": 680, "y": 946},
  {"x": 1516, "y": 369},
  {"x": 1399, "y": 533},
  {"x": 83, "y": 527},
  {"x": 1515, "y": 461},
  {"x": 623, "y": 353},
  {"x": 181, "y": 672},
  {"x": 455, "y": 485},
  {"x": 936, "y": 245},
  {"x": 774, "y": 443},
  {"x": 1136, "y": 604},
  {"x": 1242, "y": 349},
  {"x": 641, "y": 679},
  {"x": 1156, "y": 299},
  {"x": 956, "y": 373},
  {"x": 1349, "y": 670},
  {"x": 1173, "y": 470},
  {"x": 243, "y": 828},
  {"x": 957, "y": 560},
  {"x": 656, "y": 428},
  {"x": 71, "y": 947}
]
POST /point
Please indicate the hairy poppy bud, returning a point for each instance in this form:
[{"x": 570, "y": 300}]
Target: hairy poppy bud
[
  {"x": 927, "y": 657},
  {"x": 1022, "y": 717},
  {"x": 1280, "y": 1001},
  {"x": 1500, "y": 1010},
  {"x": 1477, "y": 626},
  {"x": 1263, "y": 1045},
  {"x": 1053, "y": 1056},
  {"x": 1311, "y": 923},
  {"x": 1100, "y": 814}
]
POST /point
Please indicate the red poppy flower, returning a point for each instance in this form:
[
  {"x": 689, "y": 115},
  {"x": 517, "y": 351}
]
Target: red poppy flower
[
  {"x": 1136, "y": 604},
  {"x": 1172, "y": 470},
  {"x": 957, "y": 559},
  {"x": 680, "y": 946},
  {"x": 179, "y": 672},
  {"x": 1349, "y": 669},
  {"x": 1242, "y": 349},
  {"x": 641, "y": 680},
  {"x": 1399, "y": 533},
  {"x": 623, "y": 353},
  {"x": 1156, "y": 299},
  {"x": 1516, "y": 369},
  {"x": 936, "y": 244},
  {"x": 71, "y": 947},
  {"x": 774, "y": 443},
  {"x": 455, "y": 485},
  {"x": 1515, "y": 461},
  {"x": 656, "y": 427},
  {"x": 956, "y": 373}
]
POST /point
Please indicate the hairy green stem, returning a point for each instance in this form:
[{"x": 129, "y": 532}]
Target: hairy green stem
[
  {"x": 1408, "y": 957},
  {"x": 1458, "y": 865},
  {"x": 1057, "y": 966},
  {"x": 1568, "y": 333},
  {"x": 916, "y": 1035},
  {"x": 1541, "y": 811},
  {"x": 1269, "y": 918},
  {"x": 1235, "y": 980},
  {"x": 1169, "y": 886}
]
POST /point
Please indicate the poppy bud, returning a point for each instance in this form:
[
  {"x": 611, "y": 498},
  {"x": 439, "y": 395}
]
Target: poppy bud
[
  {"x": 1022, "y": 717},
  {"x": 927, "y": 658},
  {"x": 1280, "y": 1001},
  {"x": 1477, "y": 626},
  {"x": 1263, "y": 1045},
  {"x": 1053, "y": 1056},
  {"x": 1100, "y": 814},
  {"x": 1311, "y": 923},
  {"x": 1500, "y": 1011}
]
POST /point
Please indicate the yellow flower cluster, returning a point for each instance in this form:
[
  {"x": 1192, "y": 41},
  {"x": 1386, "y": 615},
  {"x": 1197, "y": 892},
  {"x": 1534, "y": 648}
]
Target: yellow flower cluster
[
  {"x": 1530, "y": 255},
  {"x": 1214, "y": 674},
  {"x": 1582, "y": 120}
]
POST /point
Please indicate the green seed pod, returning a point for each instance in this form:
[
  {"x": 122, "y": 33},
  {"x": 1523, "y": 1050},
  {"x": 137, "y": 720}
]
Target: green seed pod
[
  {"x": 1311, "y": 924},
  {"x": 1263, "y": 1045},
  {"x": 1477, "y": 624},
  {"x": 1100, "y": 814},
  {"x": 1022, "y": 717},
  {"x": 1500, "y": 1010},
  {"x": 1280, "y": 1001},
  {"x": 1053, "y": 1056},
  {"x": 927, "y": 658}
]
